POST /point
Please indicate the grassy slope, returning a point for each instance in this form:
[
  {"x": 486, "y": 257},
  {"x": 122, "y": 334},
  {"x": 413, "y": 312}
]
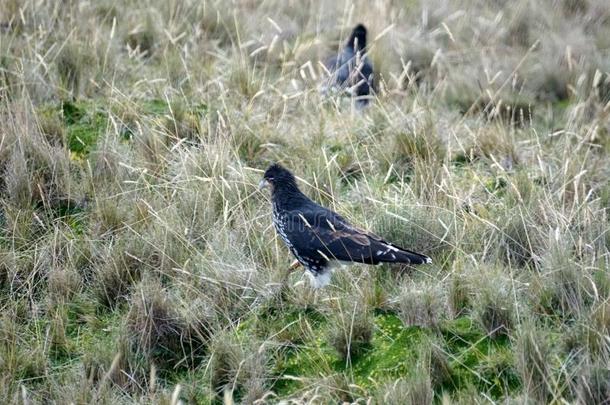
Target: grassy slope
[{"x": 137, "y": 261}]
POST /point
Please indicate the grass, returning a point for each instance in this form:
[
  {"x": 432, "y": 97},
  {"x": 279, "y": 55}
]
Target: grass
[{"x": 138, "y": 263}]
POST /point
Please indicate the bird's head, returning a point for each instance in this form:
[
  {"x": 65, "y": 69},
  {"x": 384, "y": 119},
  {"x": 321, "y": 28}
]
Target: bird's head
[
  {"x": 357, "y": 39},
  {"x": 277, "y": 176}
]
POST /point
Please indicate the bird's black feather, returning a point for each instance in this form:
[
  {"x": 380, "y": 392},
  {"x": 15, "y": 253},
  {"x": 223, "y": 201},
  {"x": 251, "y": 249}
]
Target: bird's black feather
[
  {"x": 317, "y": 236},
  {"x": 351, "y": 69}
]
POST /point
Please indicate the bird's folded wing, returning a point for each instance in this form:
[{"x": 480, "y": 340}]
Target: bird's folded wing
[
  {"x": 324, "y": 233},
  {"x": 328, "y": 235}
]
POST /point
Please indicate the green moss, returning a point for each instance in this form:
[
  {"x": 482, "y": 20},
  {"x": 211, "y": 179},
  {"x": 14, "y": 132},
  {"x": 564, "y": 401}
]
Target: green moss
[
  {"x": 85, "y": 123},
  {"x": 477, "y": 360},
  {"x": 294, "y": 364},
  {"x": 496, "y": 185},
  {"x": 87, "y": 331},
  {"x": 155, "y": 106},
  {"x": 305, "y": 353},
  {"x": 393, "y": 351},
  {"x": 289, "y": 328},
  {"x": 72, "y": 112}
]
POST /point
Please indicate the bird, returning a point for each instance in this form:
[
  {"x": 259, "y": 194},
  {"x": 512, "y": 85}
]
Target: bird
[
  {"x": 319, "y": 237},
  {"x": 351, "y": 69}
]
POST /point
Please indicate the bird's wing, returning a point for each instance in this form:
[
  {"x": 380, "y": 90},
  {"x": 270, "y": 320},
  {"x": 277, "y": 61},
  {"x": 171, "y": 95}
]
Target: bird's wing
[
  {"x": 319, "y": 232},
  {"x": 340, "y": 66}
]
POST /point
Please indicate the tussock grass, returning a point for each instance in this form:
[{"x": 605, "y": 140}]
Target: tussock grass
[
  {"x": 494, "y": 304},
  {"x": 239, "y": 369},
  {"x": 533, "y": 353},
  {"x": 160, "y": 332},
  {"x": 138, "y": 262},
  {"x": 352, "y": 330},
  {"x": 421, "y": 305},
  {"x": 459, "y": 292},
  {"x": 593, "y": 386}
]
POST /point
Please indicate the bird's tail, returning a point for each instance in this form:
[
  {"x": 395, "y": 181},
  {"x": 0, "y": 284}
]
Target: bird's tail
[{"x": 395, "y": 254}]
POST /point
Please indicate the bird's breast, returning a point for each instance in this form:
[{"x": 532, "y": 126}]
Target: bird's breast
[{"x": 280, "y": 222}]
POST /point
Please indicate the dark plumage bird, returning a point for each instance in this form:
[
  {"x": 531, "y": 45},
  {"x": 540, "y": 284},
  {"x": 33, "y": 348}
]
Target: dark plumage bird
[
  {"x": 351, "y": 68},
  {"x": 317, "y": 236}
]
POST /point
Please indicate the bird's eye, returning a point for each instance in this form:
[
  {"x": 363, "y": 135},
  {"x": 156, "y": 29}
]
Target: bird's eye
[{"x": 269, "y": 178}]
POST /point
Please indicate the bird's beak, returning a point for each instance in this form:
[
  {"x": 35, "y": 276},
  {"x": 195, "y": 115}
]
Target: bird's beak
[{"x": 263, "y": 183}]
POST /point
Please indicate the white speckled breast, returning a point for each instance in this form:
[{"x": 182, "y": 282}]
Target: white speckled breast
[{"x": 280, "y": 221}]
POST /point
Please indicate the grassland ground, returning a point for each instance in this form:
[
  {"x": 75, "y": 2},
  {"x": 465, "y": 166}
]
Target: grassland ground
[{"x": 138, "y": 263}]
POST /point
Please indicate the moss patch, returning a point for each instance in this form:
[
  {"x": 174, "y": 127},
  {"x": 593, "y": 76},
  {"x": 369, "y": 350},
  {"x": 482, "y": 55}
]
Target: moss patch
[
  {"x": 474, "y": 358},
  {"x": 393, "y": 351},
  {"x": 478, "y": 360},
  {"x": 85, "y": 123}
]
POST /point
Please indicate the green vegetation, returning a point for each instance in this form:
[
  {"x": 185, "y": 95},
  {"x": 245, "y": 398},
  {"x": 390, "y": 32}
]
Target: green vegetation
[{"x": 137, "y": 259}]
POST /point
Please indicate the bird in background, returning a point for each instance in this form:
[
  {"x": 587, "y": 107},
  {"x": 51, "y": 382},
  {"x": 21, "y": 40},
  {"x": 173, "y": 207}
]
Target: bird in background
[
  {"x": 319, "y": 237},
  {"x": 351, "y": 69}
]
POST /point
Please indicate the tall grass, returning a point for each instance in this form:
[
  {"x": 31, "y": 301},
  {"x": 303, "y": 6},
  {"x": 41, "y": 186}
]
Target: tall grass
[{"x": 138, "y": 262}]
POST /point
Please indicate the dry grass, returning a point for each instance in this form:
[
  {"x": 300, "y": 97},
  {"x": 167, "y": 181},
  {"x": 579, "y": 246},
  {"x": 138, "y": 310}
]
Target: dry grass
[{"x": 137, "y": 259}]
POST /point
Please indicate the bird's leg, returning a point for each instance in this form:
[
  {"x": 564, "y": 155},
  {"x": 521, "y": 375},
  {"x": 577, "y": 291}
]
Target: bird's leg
[{"x": 293, "y": 266}]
